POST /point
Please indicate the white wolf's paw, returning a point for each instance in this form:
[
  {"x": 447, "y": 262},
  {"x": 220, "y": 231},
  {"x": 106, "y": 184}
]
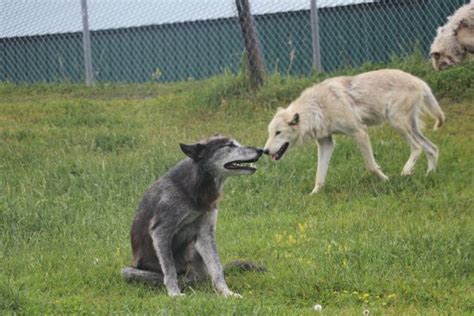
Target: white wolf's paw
[
  {"x": 383, "y": 177},
  {"x": 316, "y": 189},
  {"x": 407, "y": 172},
  {"x": 231, "y": 294},
  {"x": 176, "y": 294}
]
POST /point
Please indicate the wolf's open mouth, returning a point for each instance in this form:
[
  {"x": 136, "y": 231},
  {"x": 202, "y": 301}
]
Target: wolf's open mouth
[
  {"x": 242, "y": 165},
  {"x": 281, "y": 151}
]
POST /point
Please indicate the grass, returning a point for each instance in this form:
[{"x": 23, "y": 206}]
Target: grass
[{"x": 75, "y": 161}]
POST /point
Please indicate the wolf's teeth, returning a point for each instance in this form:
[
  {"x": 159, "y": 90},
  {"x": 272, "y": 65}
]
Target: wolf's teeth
[{"x": 245, "y": 164}]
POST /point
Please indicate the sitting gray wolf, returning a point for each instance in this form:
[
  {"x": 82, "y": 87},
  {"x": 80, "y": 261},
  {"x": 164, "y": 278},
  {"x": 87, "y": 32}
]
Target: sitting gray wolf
[
  {"x": 348, "y": 105},
  {"x": 173, "y": 232},
  {"x": 455, "y": 39}
]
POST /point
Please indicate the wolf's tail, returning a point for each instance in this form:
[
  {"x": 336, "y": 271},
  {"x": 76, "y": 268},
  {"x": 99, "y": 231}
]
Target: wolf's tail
[
  {"x": 238, "y": 265},
  {"x": 432, "y": 107},
  {"x": 132, "y": 274}
]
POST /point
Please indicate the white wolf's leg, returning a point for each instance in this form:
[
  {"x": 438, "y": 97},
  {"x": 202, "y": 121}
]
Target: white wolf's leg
[
  {"x": 363, "y": 141},
  {"x": 415, "y": 147},
  {"x": 325, "y": 150},
  {"x": 207, "y": 248},
  {"x": 414, "y": 155},
  {"x": 430, "y": 149}
]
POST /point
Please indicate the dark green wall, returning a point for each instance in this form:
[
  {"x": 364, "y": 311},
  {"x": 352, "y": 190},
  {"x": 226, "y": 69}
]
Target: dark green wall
[
  {"x": 180, "y": 51},
  {"x": 42, "y": 58},
  {"x": 349, "y": 35},
  {"x": 352, "y": 35}
]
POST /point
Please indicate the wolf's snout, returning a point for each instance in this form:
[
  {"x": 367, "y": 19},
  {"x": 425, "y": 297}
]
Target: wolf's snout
[
  {"x": 266, "y": 152},
  {"x": 259, "y": 151}
]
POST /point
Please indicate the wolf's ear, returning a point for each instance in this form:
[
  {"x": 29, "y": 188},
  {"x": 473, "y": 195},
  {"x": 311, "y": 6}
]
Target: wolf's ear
[
  {"x": 192, "y": 151},
  {"x": 295, "y": 120}
]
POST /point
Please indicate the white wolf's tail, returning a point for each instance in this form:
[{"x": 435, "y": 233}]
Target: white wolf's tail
[{"x": 432, "y": 107}]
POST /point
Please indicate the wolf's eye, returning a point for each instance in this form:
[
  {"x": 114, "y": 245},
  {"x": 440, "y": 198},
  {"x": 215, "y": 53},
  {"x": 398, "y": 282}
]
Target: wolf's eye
[{"x": 277, "y": 133}]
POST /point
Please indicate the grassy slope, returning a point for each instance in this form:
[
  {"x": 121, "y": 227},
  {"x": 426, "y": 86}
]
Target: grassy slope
[{"x": 74, "y": 162}]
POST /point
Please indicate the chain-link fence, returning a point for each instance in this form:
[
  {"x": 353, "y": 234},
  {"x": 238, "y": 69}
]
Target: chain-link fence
[{"x": 171, "y": 40}]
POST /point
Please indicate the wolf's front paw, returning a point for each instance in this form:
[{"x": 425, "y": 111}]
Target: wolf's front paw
[{"x": 176, "y": 294}]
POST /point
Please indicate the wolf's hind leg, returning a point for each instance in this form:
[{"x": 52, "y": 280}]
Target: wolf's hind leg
[
  {"x": 363, "y": 141},
  {"x": 325, "y": 150},
  {"x": 132, "y": 274},
  {"x": 415, "y": 147},
  {"x": 415, "y": 152},
  {"x": 195, "y": 269},
  {"x": 430, "y": 149}
]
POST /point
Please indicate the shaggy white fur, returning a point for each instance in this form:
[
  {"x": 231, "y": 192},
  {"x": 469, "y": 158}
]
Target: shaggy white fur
[
  {"x": 454, "y": 39},
  {"x": 349, "y": 105}
]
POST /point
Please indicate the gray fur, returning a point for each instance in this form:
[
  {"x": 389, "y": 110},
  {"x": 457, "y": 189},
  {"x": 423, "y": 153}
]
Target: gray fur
[{"x": 173, "y": 232}]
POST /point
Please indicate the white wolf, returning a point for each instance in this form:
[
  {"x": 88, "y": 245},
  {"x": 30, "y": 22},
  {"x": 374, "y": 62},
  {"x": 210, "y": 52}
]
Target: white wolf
[
  {"x": 454, "y": 39},
  {"x": 347, "y": 105}
]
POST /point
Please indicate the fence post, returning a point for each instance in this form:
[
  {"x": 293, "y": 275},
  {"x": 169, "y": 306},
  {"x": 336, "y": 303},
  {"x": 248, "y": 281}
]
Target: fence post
[
  {"x": 254, "y": 56},
  {"x": 315, "y": 36},
  {"x": 86, "y": 42}
]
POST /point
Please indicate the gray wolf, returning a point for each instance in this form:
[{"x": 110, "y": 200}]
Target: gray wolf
[
  {"x": 348, "y": 105},
  {"x": 173, "y": 232},
  {"x": 455, "y": 39}
]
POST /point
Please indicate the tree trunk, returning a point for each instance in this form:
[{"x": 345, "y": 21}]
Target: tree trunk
[{"x": 254, "y": 56}]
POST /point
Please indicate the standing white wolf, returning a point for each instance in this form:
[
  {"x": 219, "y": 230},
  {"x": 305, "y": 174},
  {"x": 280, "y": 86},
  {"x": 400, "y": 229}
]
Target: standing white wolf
[{"x": 348, "y": 105}]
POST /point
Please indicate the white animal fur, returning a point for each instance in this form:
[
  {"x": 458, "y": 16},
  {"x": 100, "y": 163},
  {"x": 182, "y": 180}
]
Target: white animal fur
[
  {"x": 455, "y": 39},
  {"x": 348, "y": 105}
]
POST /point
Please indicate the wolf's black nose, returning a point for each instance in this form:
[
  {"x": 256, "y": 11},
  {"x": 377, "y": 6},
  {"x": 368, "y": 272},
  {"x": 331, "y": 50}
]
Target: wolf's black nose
[{"x": 266, "y": 151}]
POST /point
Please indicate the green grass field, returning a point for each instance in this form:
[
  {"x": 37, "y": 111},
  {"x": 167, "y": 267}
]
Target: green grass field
[{"x": 75, "y": 161}]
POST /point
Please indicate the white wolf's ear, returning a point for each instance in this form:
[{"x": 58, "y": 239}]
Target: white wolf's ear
[
  {"x": 295, "y": 120},
  {"x": 192, "y": 151}
]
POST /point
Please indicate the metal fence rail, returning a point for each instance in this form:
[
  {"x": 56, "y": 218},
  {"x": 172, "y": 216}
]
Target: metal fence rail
[{"x": 172, "y": 40}]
